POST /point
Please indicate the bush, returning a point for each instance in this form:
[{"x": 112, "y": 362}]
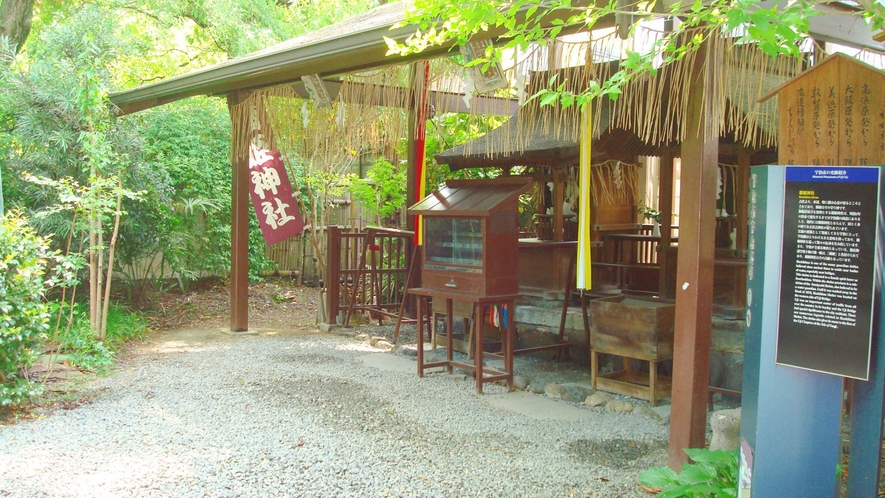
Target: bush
[
  {"x": 713, "y": 474},
  {"x": 24, "y": 315},
  {"x": 79, "y": 343}
]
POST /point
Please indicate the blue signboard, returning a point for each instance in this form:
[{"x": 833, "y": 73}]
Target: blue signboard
[{"x": 827, "y": 269}]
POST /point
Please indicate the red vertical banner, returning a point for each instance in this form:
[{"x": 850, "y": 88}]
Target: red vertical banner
[
  {"x": 422, "y": 82},
  {"x": 272, "y": 196}
]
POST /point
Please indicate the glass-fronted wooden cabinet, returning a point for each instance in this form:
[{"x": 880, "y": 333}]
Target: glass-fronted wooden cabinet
[
  {"x": 454, "y": 243},
  {"x": 470, "y": 236}
]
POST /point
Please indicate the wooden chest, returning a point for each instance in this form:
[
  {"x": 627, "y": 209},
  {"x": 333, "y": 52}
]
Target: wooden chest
[{"x": 632, "y": 328}]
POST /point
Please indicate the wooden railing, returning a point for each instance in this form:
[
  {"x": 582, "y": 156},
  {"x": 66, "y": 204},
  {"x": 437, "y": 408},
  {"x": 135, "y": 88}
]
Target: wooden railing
[{"x": 367, "y": 272}]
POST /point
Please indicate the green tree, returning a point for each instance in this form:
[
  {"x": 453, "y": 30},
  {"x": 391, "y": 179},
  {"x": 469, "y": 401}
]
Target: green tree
[
  {"x": 381, "y": 192},
  {"x": 776, "y": 29},
  {"x": 28, "y": 270},
  {"x": 452, "y": 130},
  {"x": 15, "y": 21},
  {"x": 178, "y": 154},
  {"x": 185, "y": 218},
  {"x": 63, "y": 136}
]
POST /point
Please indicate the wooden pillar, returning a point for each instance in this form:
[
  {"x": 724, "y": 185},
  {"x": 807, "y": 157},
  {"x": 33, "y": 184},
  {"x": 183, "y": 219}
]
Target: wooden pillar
[
  {"x": 558, "y": 199},
  {"x": 333, "y": 273},
  {"x": 742, "y": 216},
  {"x": 694, "y": 273},
  {"x": 742, "y": 203},
  {"x": 415, "y": 171},
  {"x": 665, "y": 205},
  {"x": 412, "y": 152},
  {"x": 239, "y": 226}
]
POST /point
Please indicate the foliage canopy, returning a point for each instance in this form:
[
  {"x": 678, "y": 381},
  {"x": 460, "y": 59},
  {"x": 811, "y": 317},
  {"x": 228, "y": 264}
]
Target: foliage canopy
[{"x": 777, "y": 29}]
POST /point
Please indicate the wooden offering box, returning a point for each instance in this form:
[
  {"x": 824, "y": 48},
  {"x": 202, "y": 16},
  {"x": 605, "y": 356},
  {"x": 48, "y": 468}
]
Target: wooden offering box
[
  {"x": 633, "y": 328},
  {"x": 470, "y": 237}
]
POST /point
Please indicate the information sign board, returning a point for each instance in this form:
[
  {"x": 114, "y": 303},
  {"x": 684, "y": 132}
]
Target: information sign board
[{"x": 827, "y": 270}]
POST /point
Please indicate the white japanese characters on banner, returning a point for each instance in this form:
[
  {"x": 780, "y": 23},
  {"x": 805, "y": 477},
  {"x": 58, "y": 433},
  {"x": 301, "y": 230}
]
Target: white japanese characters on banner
[{"x": 272, "y": 196}]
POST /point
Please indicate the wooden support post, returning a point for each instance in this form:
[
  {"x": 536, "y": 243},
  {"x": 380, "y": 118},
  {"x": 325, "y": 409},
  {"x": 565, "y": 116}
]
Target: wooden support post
[
  {"x": 742, "y": 203},
  {"x": 665, "y": 205},
  {"x": 694, "y": 273},
  {"x": 742, "y": 228},
  {"x": 558, "y": 199},
  {"x": 239, "y": 226},
  {"x": 419, "y": 75},
  {"x": 333, "y": 273},
  {"x": 412, "y": 152}
]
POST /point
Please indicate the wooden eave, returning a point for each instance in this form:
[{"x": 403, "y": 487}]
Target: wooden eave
[
  {"x": 354, "y": 45},
  {"x": 472, "y": 198}
]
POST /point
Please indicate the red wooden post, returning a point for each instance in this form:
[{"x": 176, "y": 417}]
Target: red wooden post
[
  {"x": 694, "y": 272},
  {"x": 239, "y": 226},
  {"x": 742, "y": 203},
  {"x": 333, "y": 273},
  {"x": 665, "y": 205}
]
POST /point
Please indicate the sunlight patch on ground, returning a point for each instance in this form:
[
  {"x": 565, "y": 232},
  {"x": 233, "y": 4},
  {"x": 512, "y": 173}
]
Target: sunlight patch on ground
[
  {"x": 163, "y": 415},
  {"x": 176, "y": 346},
  {"x": 362, "y": 347},
  {"x": 104, "y": 473}
]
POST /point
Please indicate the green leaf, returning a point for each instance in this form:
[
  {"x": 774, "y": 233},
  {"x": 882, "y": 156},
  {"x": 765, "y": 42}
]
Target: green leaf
[
  {"x": 680, "y": 491},
  {"x": 658, "y": 476},
  {"x": 697, "y": 473},
  {"x": 705, "y": 455},
  {"x": 549, "y": 98}
]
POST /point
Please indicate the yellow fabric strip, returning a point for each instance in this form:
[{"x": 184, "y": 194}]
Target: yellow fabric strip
[{"x": 583, "y": 268}]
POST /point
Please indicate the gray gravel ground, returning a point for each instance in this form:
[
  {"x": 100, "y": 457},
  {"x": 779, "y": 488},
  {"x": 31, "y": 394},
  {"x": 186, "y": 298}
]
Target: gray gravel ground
[{"x": 304, "y": 414}]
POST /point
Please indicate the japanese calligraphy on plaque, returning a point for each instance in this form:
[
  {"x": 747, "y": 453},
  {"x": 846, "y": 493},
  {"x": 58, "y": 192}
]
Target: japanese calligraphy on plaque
[
  {"x": 272, "y": 197},
  {"x": 828, "y": 267},
  {"x": 832, "y": 115}
]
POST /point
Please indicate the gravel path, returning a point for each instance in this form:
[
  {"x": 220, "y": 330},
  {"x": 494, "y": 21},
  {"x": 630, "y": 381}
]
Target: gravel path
[{"x": 306, "y": 414}]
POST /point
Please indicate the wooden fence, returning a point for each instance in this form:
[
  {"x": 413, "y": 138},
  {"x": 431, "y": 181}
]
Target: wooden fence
[
  {"x": 367, "y": 272},
  {"x": 296, "y": 257}
]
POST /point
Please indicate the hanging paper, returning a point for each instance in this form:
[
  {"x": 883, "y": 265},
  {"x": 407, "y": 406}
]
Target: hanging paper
[
  {"x": 584, "y": 258},
  {"x": 422, "y": 83},
  {"x": 317, "y": 91}
]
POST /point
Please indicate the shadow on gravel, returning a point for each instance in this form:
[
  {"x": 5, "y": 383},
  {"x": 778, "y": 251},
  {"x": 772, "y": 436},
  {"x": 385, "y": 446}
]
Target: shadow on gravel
[{"x": 613, "y": 453}]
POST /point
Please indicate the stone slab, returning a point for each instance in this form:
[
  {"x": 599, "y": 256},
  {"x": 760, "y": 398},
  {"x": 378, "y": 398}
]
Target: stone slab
[
  {"x": 390, "y": 363},
  {"x": 227, "y": 331},
  {"x": 537, "y": 407}
]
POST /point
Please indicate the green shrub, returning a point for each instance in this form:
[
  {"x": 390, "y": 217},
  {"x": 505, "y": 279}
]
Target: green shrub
[
  {"x": 714, "y": 474},
  {"x": 27, "y": 268},
  {"x": 79, "y": 343}
]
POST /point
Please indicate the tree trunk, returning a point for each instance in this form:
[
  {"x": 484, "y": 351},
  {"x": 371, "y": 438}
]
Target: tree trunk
[{"x": 15, "y": 21}]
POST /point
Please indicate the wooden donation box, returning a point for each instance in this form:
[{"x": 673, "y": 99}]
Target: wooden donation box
[
  {"x": 470, "y": 255},
  {"x": 633, "y": 328}
]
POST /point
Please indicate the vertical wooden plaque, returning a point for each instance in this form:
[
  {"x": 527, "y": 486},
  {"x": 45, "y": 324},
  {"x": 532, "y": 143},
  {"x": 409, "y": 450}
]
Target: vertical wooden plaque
[{"x": 833, "y": 115}]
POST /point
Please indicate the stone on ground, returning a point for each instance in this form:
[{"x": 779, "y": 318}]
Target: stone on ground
[
  {"x": 650, "y": 413},
  {"x": 617, "y": 405},
  {"x": 726, "y": 425},
  {"x": 597, "y": 399},
  {"x": 664, "y": 412},
  {"x": 576, "y": 392},
  {"x": 383, "y": 344}
]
